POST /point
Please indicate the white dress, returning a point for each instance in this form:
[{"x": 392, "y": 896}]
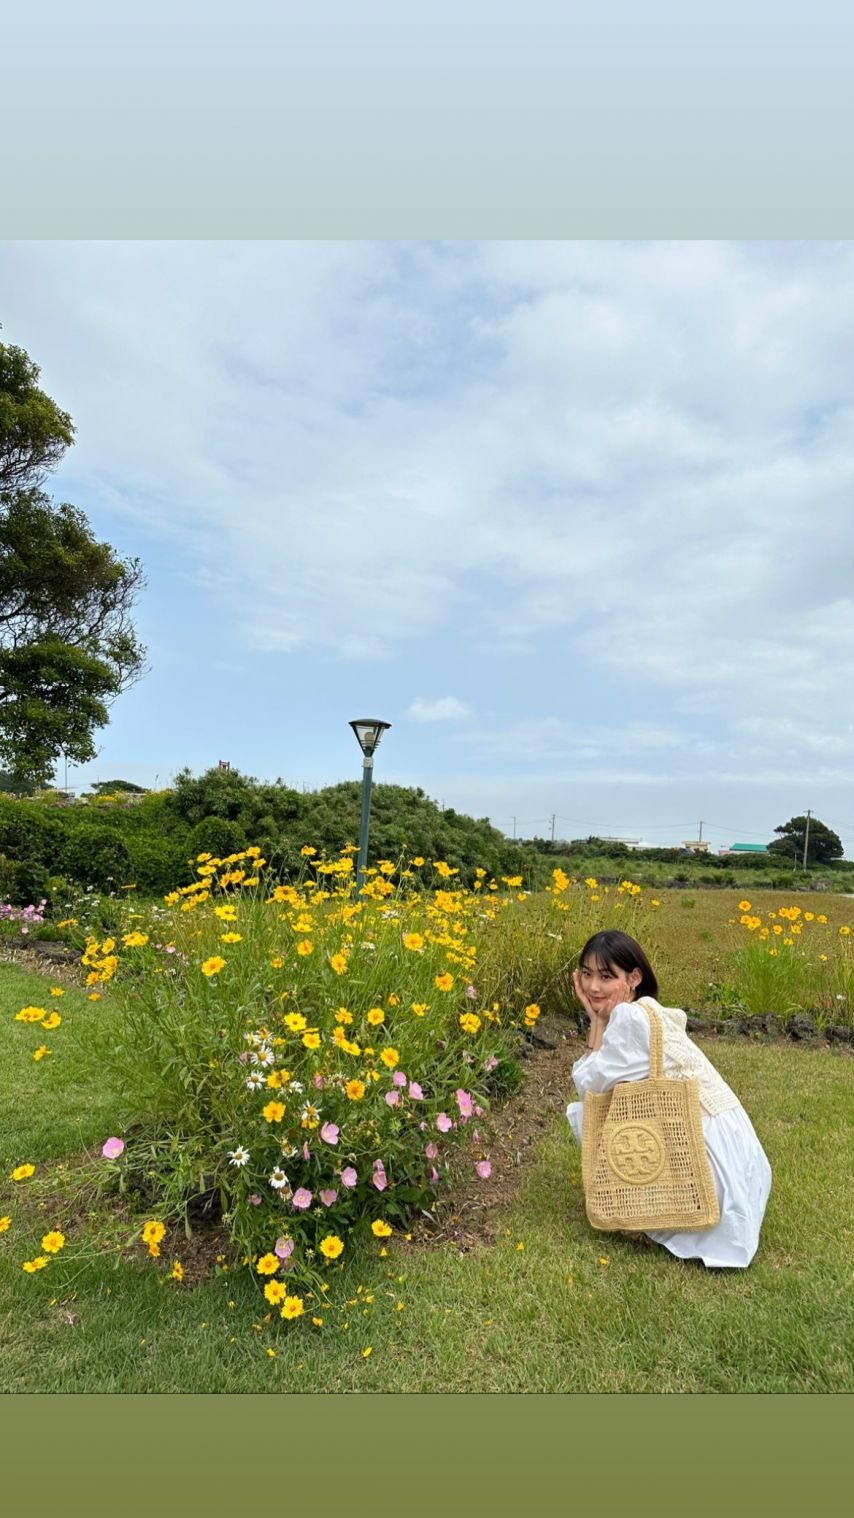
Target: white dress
[{"x": 741, "y": 1172}]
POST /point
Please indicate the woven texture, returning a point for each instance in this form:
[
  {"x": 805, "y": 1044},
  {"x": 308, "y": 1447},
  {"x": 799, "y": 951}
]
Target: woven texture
[{"x": 643, "y": 1156}]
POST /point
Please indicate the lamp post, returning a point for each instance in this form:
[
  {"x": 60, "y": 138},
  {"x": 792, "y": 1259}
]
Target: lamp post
[{"x": 368, "y": 732}]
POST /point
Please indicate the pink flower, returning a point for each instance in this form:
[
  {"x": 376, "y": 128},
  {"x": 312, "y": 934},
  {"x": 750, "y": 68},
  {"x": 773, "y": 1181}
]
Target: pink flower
[
  {"x": 443, "y": 1123},
  {"x": 306, "y": 1152},
  {"x": 431, "y": 1150},
  {"x": 379, "y": 1177},
  {"x": 475, "y": 1138},
  {"x": 415, "y": 1091},
  {"x": 255, "y": 1199},
  {"x": 478, "y": 1112},
  {"x": 484, "y": 1169},
  {"x": 465, "y": 1104},
  {"x": 301, "y": 1199},
  {"x": 349, "y": 1176},
  {"x": 319, "y": 1082},
  {"x": 329, "y": 1133},
  {"x": 434, "y": 1175},
  {"x": 471, "y": 993},
  {"x": 392, "y": 1098},
  {"x": 283, "y": 1247},
  {"x": 328, "y": 1196},
  {"x": 243, "y": 1057},
  {"x": 489, "y": 1064},
  {"x": 112, "y": 1149},
  {"x": 398, "y": 1079}
]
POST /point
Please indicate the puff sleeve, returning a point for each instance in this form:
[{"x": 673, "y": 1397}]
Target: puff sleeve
[{"x": 624, "y": 1053}]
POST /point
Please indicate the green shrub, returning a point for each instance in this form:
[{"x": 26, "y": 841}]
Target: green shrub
[{"x": 217, "y": 836}]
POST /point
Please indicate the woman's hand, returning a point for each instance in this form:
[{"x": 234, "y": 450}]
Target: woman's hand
[{"x": 619, "y": 990}]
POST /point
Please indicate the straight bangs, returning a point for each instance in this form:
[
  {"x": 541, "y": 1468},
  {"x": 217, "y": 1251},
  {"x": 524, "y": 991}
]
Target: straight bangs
[{"x": 613, "y": 950}]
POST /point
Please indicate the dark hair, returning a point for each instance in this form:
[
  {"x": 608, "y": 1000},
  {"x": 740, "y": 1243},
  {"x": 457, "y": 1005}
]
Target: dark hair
[{"x": 613, "y": 949}]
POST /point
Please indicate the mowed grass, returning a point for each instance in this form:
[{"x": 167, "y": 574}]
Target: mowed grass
[{"x": 571, "y": 1310}]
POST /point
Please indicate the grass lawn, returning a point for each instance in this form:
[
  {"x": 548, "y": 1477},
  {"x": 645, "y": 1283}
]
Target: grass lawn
[{"x": 547, "y": 1317}]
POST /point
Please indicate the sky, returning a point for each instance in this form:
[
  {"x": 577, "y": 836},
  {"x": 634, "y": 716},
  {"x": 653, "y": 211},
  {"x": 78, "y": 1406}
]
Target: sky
[{"x": 574, "y": 517}]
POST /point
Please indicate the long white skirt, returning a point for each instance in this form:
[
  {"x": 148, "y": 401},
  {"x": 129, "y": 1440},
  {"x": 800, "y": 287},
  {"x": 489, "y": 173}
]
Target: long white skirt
[{"x": 742, "y": 1177}]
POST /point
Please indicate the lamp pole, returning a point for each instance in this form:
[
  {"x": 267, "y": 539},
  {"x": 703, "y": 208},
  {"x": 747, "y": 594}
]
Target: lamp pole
[{"x": 368, "y": 732}]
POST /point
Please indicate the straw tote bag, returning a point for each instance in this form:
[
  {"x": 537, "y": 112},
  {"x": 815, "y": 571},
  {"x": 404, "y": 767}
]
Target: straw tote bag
[{"x": 643, "y": 1157}]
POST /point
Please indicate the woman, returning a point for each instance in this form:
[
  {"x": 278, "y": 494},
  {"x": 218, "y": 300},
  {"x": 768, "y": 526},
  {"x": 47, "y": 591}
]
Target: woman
[{"x": 613, "y": 973}]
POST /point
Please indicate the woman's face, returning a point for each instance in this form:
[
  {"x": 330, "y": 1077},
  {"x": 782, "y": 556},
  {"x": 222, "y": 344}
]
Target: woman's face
[{"x": 607, "y": 985}]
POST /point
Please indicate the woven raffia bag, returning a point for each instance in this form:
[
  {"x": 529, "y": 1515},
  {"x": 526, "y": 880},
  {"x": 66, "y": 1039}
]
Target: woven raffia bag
[{"x": 643, "y": 1156}]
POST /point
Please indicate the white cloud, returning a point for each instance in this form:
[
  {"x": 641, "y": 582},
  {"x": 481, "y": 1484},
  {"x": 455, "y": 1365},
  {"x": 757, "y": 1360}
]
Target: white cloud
[{"x": 445, "y": 709}]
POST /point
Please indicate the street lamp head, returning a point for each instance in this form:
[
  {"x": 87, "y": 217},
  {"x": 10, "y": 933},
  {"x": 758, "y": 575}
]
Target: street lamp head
[{"x": 368, "y": 732}]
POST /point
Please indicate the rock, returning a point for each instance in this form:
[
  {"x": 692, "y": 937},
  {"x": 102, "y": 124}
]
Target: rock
[
  {"x": 801, "y": 1026},
  {"x": 547, "y": 1035},
  {"x": 773, "y": 1025},
  {"x": 755, "y": 1027},
  {"x": 56, "y": 953},
  {"x": 837, "y": 1033},
  {"x": 698, "y": 1024}
]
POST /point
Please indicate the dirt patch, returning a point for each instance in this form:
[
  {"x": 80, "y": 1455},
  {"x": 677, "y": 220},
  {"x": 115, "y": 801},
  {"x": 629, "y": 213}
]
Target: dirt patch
[{"x": 474, "y": 1212}]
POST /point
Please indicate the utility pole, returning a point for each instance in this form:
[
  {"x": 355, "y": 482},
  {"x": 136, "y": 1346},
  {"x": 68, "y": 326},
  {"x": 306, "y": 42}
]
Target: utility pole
[
  {"x": 806, "y": 838},
  {"x": 700, "y": 839},
  {"x": 553, "y": 826},
  {"x": 514, "y": 827}
]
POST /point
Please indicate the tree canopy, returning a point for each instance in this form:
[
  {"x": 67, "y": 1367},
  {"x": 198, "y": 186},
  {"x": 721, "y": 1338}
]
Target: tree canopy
[
  {"x": 822, "y": 843},
  {"x": 67, "y": 643}
]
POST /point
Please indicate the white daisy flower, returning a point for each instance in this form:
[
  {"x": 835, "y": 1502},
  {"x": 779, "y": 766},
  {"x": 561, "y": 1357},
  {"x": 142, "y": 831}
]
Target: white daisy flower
[
  {"x": 238, "y": 1156},
  {"x": 279, "y": 1181},
  {"x": 263, "y": 1057},
  {"x": 296, "y": 1086},
  {"x": 288, "y": 1150},
  {"x": 255, "y": 1081}
]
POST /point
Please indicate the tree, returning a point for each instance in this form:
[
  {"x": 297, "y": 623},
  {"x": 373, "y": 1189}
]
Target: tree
[
  {"x": 34, "y": 433},
  {"x": 67, "y": 644},
  {"x": 823, "y": 845}
]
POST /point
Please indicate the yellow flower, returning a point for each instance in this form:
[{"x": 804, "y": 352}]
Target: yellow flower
[
  {"x": 375, "y": 1016},
  {"x": 226, "y": 913},
  {"x": 23, "y": 1172},
  {"x": 392, "y": 1000},
  {"x": 413, "y": 941},
  {"x": 380, "y": 1230},
  {"x": 37, "y": 1264},
  {"x": 134, "y": 940},
  {"x": 296, "y": 1022},
  {"x": 339, "y": 963},
  {"x": 304, "y": 947},
  {"x": 53, "y": 1242},
  {"x": 367, "y": 1352},
  {"x": 40, "y": 1052},
  {"x": 292, "y": 1307},
  {"x": 275, "y": 1292},
  {"x": 31, "y": 1014},
  {"x": 94, "y": 996},
  {"x": 419, "y": 1008},
  {"x": 532, "y": 1012},
  {"x": 355, "y": 1090},
  {"x": 390, "y": 1058},
  {"x": 744, "y": 906},
  {"x": 311, "y": 1040},
  {"x": 331, "y": 1246},
  {"x": 267, "y": 1265},
  {"x": 56, "y": 991},
  {"x": 177, "y": 1271},
  {"x": 153, "y": 1232},
  {"x": 591, "y": 883},
  {"x": 470, "y": 1022},
  {"x": 845, "y": 930},
  {"x": 4, "y": 1224},
  {"x": 444, "y": 982},
  {"x": 231, "y": 937},
  {"x": 821, "y": 917},
  {"x": 386, "y": 866},
  {"x": 274, "y": 1112},
  {"x": 50, "y": 1022},
  {"x": 343, "y": 1016},
  {"x": 213, "y": 965},
  {"x": 307, "y": 851}
]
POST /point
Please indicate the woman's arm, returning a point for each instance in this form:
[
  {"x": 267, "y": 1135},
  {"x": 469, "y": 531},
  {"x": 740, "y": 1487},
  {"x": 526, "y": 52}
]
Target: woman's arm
[{"x": 622, "y": 1053}]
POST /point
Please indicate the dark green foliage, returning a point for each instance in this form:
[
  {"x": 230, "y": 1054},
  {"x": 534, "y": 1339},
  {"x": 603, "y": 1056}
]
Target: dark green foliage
[
  {"x": 823, "y": 845},
  {"x": 217, "y": 836},
  {"x": 34, "y": 433},
  {"x": 97, "y": 856},
  {"x": 67, "y": 646}
]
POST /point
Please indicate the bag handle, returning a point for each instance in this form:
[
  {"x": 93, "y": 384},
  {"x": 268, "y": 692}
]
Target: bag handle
[{"x": 656, "y": 1041}]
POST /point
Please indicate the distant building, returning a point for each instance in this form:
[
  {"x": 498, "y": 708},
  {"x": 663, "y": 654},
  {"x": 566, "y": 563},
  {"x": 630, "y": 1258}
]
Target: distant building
[
  {"x": 697, "y": 846},
  {"x": 744, "y": 848},
  {"x": 631, "y": 843}
]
